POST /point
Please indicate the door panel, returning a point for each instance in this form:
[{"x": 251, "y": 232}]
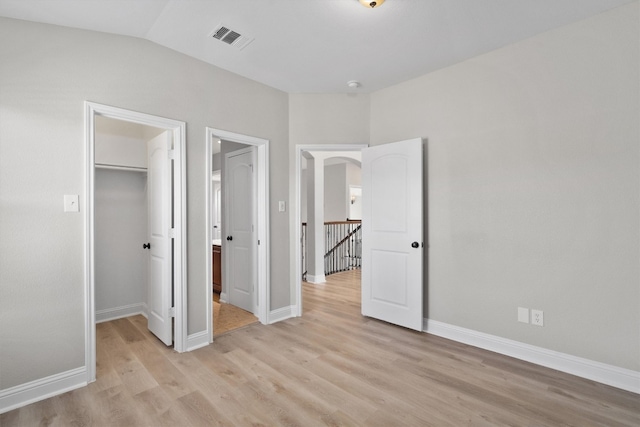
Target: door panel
[
  {"x": 392, "y": 284},
  {"x": 241, "y": 218},
  {"x": 160, "y": 279}
]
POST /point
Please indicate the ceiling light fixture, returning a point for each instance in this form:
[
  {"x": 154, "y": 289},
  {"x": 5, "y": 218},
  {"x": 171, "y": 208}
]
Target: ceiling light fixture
[{"x": 371, "y": 4}]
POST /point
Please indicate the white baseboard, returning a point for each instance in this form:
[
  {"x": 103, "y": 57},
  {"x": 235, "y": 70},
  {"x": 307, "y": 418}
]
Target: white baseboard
[
  {"x": 34, "y": 391},
  {"x": 280, "y": 314},
  {"x": 320, "y": 278},
  {"x": 625, "y": 379},
  {"x": 120, "y": 312},
  {"x": 224, "y": 297},
  {"x": 197, "y": 340}
]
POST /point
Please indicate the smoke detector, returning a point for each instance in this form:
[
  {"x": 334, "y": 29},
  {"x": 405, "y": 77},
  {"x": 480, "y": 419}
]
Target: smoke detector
[
  {"x": 231, "y": 37},
  {"x": 371, "y": 4},
  {"x": 353, "y": 84}
]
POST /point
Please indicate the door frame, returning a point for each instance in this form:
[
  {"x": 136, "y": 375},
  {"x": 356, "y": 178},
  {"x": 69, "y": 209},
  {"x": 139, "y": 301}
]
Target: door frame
[
  {"x": 178, "y": 129},
  {"x": 296, "y": 233},
  {"x": 262, "y": 200}
]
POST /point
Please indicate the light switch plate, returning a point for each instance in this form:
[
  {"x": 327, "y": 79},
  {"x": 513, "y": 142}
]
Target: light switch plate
[
  {"x": 523, "y": 315},
  {"x": 71, "y": 203},
  {"x": 282, "y": 207}
]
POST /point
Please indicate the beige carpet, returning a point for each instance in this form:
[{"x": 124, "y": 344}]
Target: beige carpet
[{"x": 227, "y": 317}]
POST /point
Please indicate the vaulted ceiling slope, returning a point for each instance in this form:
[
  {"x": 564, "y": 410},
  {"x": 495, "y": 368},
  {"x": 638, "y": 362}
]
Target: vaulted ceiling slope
[{"x": 317, "y": 46}]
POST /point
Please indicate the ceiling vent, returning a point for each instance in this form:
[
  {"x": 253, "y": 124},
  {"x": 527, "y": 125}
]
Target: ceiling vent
[{"x": 231, "y": 37}]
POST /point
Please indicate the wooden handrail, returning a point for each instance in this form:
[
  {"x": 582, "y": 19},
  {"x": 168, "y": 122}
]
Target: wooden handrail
[
  {"x": 351, "y": 233},
  {"x": 349, "y": 221}
]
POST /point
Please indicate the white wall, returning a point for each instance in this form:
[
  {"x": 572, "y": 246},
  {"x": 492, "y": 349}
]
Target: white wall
[
  {"x": 120, "y": 231},
  {"x": 322, "y": 119},
  {"x": 303, "y": 195},
  {"x": 335, "y": 193},
  {"x": 337, "y": 179},
  {"x": 533, "y": 186},
  {"x": 46, "y": 74},
  {"x": 352, "y": 177},
  {"x": 328, "y": 119},
  {"x": 120, "y": 143}
]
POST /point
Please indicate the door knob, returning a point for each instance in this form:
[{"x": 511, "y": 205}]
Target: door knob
[
  {"x": 146, "y": 246},
  {"x": 415, "y": 245},
  {"x": 229, "y": 238}
]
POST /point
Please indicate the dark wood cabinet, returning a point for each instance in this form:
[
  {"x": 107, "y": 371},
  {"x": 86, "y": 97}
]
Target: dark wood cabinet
[{"x": 217, "y": 270}]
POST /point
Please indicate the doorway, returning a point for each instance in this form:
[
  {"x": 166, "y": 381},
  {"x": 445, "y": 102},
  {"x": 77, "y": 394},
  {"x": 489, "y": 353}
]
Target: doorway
[
  {"x": 337, "y": 150},
  {"x": 260, "y": 239},
  {"x": 175, "y": 131},
  {"x": 121, "y": 218},
  {"x": 392, "y": 276}
]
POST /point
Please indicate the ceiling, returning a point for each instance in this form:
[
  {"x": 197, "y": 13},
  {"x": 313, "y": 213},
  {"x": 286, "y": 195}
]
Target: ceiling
[{"x": 317, "y": 46}]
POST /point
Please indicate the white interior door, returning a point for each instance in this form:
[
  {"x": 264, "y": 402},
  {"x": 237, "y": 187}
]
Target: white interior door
[
  {"x": 216, "y": 219},
  {"x": 160, "y": 280},
  {"x": 240, "y": 242},
  {"x": 392, "y": 239}
]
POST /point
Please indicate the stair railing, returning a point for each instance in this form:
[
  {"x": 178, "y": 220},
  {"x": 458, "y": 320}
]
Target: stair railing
[{"x": 344, "y": 242}]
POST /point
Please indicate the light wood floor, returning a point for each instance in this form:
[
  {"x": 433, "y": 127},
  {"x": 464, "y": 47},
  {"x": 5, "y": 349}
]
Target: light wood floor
[
  {"x": 227, "y": 317},
  {"x": 329, "y": 367}
]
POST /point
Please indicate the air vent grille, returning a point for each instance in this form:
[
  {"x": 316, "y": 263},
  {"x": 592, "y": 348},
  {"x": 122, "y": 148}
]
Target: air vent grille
[
  {"x": 231, "y": 37},
  {"x": 220, "y": 33}
]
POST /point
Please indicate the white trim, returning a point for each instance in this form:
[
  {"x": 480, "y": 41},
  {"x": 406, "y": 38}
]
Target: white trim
[
  {"x": 197, "y": 340},
  {"x": 208, "y": 154},
  {"x": 262, "y": 170},
  {"x": 280, "y": 314},
  {"x": 119, "y": 312},
  {"x": 43, "y": 388},
  {"x": 224, "y": 297},
  {"x": 295, "y": 231},
  {"x": 321, "y": 278},
  {"x": 178, "y": 129},
  {"x": 625, "y": 379}
]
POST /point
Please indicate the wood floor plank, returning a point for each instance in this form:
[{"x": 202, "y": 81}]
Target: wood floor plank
[
  {"x": 162, "y": 370},
  {"x": 330, "y": 367},
  {"x": 199, "y": 411}
]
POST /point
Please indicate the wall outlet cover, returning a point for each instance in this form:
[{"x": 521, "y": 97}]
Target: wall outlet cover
[{"x": 537, "y": 317}]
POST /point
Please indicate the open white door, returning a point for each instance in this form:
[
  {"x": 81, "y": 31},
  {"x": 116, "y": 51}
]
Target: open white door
[
  {"x": 392, "y": 245},
  {"x": 239, "y": 246},
  {"x": 160, "y": 261}
]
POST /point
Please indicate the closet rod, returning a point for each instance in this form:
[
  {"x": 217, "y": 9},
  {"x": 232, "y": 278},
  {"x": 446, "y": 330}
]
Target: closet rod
[{"x": 120, "y": 168}]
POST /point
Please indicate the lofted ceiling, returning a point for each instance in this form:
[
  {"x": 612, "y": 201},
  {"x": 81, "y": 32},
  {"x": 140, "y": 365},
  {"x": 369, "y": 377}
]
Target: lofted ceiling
[{"x": 317, "y": 46}]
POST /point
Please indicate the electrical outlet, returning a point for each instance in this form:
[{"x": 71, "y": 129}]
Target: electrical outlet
[
  {"x": 523, "y": 315},
  {"x": 537, "y": 317}
]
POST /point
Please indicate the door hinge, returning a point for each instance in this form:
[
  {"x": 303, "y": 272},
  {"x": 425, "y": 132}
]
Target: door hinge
[
  {"x": 172, "y": 312},
  {"x": 258, "y": 242},
  {"x": 172, "y": 233},
  {"x": 172, "y": 154}
]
